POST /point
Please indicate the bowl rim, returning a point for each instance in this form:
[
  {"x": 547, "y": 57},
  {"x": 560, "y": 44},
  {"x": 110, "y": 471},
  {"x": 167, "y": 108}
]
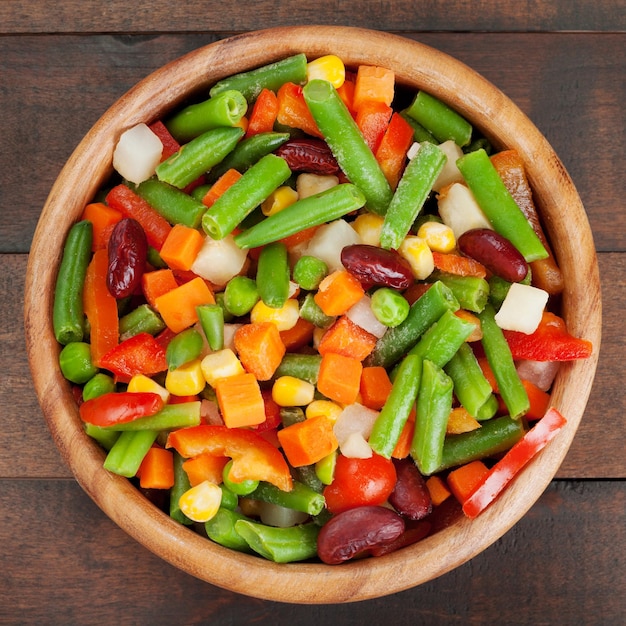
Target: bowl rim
[{"x": 420, "y": 66}]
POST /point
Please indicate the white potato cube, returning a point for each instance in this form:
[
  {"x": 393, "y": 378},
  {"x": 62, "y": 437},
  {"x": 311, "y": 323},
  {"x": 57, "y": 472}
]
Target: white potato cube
[
  {"x": 522, "y": 308},
  {"x": 137, "y": 154},
  {"x": 450, "y": 172},
  {"x": 219, "y": 260},
  {"x": 329, "y": 240},
  {"x": 460, "y": 211}
]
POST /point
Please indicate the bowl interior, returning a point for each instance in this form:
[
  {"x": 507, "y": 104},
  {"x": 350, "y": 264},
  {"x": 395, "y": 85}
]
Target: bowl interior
[{"x": 419, "y": 67}]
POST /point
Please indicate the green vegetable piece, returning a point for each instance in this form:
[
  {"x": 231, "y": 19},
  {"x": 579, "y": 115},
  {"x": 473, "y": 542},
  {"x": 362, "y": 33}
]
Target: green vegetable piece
[
  {"x": 291, "y": 415},
  {"x": 68, "y": 317},
  {"x": 272, "y": 278},
  {"x": 241, "y": 198},
  {"x": 221, "y": 529},
  {"x": 498, "y": 204},
  {"x": 170, "y": 417},
  {"x": 243, "y": 488},
  {"x": 143, "y": 319},
  {"x": 230, "y": 500},
  {"x": 300, "y": 498},
  {"x": 311, "y": 312},
  {"x": 76, "y": 364},
  {"x": 302, "y": 366},
  {"x": 127, "y": 453},
  {"x": 240, "y": 295},
  {"x": 106, "y": 438},
  {"x": 420, "y": 134},
  {"x": 181, "y": 485},
  {"x": 98, "y": 385},
  {"x": 347, "y": 144},
  {"x": 219, "y": 301},
  {"x": 307, "y": 475},
  {"x": 489, "y": 409},
  {"x": 183, "y": 348},
  {"x": 325, "y": 468},
  {"x": 389, "y": 306},
  {"x": 471, "y": 292},
  {"x": 309, "y": 271},
  {"x": 211, "y": 318}
]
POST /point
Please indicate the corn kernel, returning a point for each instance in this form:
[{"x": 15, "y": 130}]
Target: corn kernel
[
  {"x": 141, "y": 383},
  {"x": 368, "y": 226},
  {"x": 202, "y": 502},
  {"x": 284, "y": 318},
  {"x": 329, "y": 67},
  {"x": 186, "y": 380},
  {"x": 292, "y": 391},
  {"x": 439, "y": 237},
  {"x": 309, "y": 184},
  {"x": 278, "y": 200},
  {"x": 420, "y": 257},
  {"x": 221, "y": 364},
  {"x": 329, "y": 409}
]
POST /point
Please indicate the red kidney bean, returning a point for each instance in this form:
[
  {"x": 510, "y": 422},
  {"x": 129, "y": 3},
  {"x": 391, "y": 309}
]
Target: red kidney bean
[
  {"x": 308, "y": 155},
  {"x": 128, "y": 249},
  {"x": 410, "y": 496},
  {"x": 495, "y": 252},
  {"x": 357, "y": 531},
  {"x": 375, "y": 266}
]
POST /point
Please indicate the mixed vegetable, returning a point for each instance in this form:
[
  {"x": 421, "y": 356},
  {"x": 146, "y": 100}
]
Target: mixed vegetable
[{"x": 313, "y": 312}]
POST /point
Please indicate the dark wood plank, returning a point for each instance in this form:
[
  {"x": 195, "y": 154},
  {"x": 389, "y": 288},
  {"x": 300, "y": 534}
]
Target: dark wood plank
[
  {"x": 59, "y": 550},
  {"x": 482, "y": 15}
]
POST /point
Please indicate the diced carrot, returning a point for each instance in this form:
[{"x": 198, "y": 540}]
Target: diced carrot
[
  {"x": 338, "y": 292},
  {"x": 539, "y": 401},
  {"x": 373, "y": 83},
  {"x": 100, "y": 307},
  {"x": 465, "y": 479},
  {"x": 103, "y": 219},
  {"x": 157, "y": 469},
  {"x": 339, "y": 378},
  {"x": 226, "y": 180},
  {"x": 298, "y": 336},
  {"x": 460, "y": 265},
  {"x": 170, "y": 145},
  {"x": 178, "y": 306},
  {"x": 307, "y": 442},
  {"x": 375, "y": 387},
  {"x": 181, "y": 247},
  {"x": 403, "y": 445},
  {"x": 293, "y": 110},
  {"x": 300, "y": 237},
  {"x": 460, "y": 421},
  {"x": 263, "y": 113},
  {"x": 240, "y": 400},
  {"x": 205, "y": 467},
  {"x": 372, "y": 119},
  {"x": 477, "y": 333},
  {"x": 437, "y": 490},
  {"x": 157, "y": 283},
  {"x": 346, "y": 93},
  {"x": 488, "y": 373},
  {"x": 347, "y": 338},
  {"x": 260, "y": 348},
  {"x": 393, "y": 147}
]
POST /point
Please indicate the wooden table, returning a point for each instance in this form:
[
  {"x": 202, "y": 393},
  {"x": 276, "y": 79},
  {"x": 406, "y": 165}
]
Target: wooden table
[{"x": 63, "y": 62}]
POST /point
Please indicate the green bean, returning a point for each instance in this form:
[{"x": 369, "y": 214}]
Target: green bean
[
  {"x": 143, "y": 319},
  {"x": 174, "y": 205},
  {"x": 498, "y": 204},
  {"x": 439, "y": 119},
  {"x": 394, "y": 414},
  {"x": 471, "y": 292},
  {"x": 75, "y": 362},
  {"x": 106, "y": 438},
  {"x": 434, "y": 403},
  {"x": 223, "y": 110},
  {"x": 413, "y": 189},
  {"x": 154, "y": 259},
  {"x": 300, "y": 498},
  {"x": 243, "y": 488},
  {"x": 170, "y": 417},
  {"x": 347, "y": 144},
  {"x": 211, "y": 317},
  {"x": 489, "y": 409},
  {"x": 230, "y": 500},
  {"x": 184, "y": 347},
  {"x": 270, "y": 76},
  {"x": 307, "y": 475},
  {"x": 198, "y": 156},
  {"x": 68, "y": 317},
  {"x": 420, "y": 134},
  {"x": 303, "y": 366},
  {"x": 315, "y": 210},
  {"x": 98, "y": 385},
  {"x": 291, "y": 415},
  {"x": 181, "y": 485},
  {"x": 221, "y": 529},
  {"x": 219, "y": 300},
  {"x": 501, "y": 362},
  {"x": 309, "y": 271},
  {"x": 240, "y": 295},
  {"x": 423, "y": 313},
  {"x": 127, "y": 453},
  {"x": 272, "y": 277},
  {"x": 241, "y": 198},
  {"x": 311, "y": 312}
]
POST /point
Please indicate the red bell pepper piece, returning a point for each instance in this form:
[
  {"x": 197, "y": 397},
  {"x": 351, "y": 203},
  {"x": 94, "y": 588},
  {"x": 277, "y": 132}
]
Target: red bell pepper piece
[
  {"x": 253, "y": 457},
  {"x": 263, "y": 115},
  {"x": 391, "y": 152},
  {"x": 550, "y": 342},
  {"x": 118, "y": 408},
  {"x": 512, "y": 462},
  {"x": 141, "y": 354},
  {"x": 293, "y": 110},
  {"x": 372, "y": 119},
  {"x": 170, "y": 145}
]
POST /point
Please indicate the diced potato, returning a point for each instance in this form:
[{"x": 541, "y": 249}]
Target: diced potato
[
  {"x": 460, "y": 211},
  {"x": 522, "y": 308},
  {"x": 219, "y": 260},
  {"x": 137, "y": 154}
]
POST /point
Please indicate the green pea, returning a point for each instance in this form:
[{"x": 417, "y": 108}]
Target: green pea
[
  {"x": 243, "y": 488},
  {"x": 76, "y": 364},
  {"x": 309, "y": 271},
  {"x": 390, "y": 307},
  {"x": 98, "y": 386},
  {"x": 240, "y": 295}
]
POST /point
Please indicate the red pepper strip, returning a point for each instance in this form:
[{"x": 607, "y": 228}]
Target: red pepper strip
[
  {"x": 263, "y": 114},
  {"x": 512, "y": 462},
  {"x": 140, "y": 354},
  {"x": 392, "y": 149},
  {"x": 118, "y": 408},
  {"x": 170, "y": 145},
  {"x": 253, "y": 457},
  {"x": 550, "y": 342}
]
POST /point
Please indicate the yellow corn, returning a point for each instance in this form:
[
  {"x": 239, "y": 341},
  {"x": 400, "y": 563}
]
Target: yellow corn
[
  {"x": 220, "y": 364},
  {"x": 368, "y": 226},
  {"x": 278, "y": 200},
  {"x": 292, "y": 391},
  {"x": 439, "y": 237},
  {"x": 186, "y": 380},
  {"x": 420, "y": 257},
  {"x": 284, "y": 318},
  {"x": 329, "y": 409},
  {"x": 202, "y": 502},
  {"x": 329, "y": 67},
  {"x": 141, "y": 383},
  {"x": 309, "y": 184}
]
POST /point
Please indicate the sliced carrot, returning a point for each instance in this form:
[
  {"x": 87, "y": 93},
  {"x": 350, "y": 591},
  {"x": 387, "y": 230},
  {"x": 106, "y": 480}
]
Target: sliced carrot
[
  {"x": 178, "y": 306},
  {"x": 373, "y": 83},
  {"x": 260, "y": 348},
  {"x": 372, "y": 119},
  {"x": 299, "y": 237},
  {"x": 437, "y": 490},
  {"x": 264, "y": 112},
  {"x": 157, "y": 283},
  {"x": 307, "y": 442},
  {"x": 460, "y": 421},
  {"x": 465, "y": 479},
  {"x": 205, "y": 467},
  {"x": 539, "y": 401},
  {"x": 293, "y": 110},
  {"x": 181, "y": 247},
  {"x": 339, "y": 378},
  {"x": 477, "y": 333},
  {"x": 240, "y": 400},
  {"x": 347, "y": 338},
  {"x": 157, "y": 469},
  {"x": 393, "y": 147},
  {"x": 346, "y": 93},
  {"x": 226, "y": 180},
  {"x": 488, "y": 373},
  {"x": 100, "y": 307},
  {"x": 460, "y": 265},
  {"x": 403, "y": 445},
  {"x": 338, "y": 292},
  {"x": 170, "y": 145},
  {"x": 298, "y": 336},
  {"x": 103, "y": 219},
  {"x": 375, "y": 387}
]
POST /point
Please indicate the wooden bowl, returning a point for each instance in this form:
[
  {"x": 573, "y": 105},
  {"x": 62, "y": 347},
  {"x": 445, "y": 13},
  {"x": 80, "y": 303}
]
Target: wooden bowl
[{"x": 417, "y": 66}]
